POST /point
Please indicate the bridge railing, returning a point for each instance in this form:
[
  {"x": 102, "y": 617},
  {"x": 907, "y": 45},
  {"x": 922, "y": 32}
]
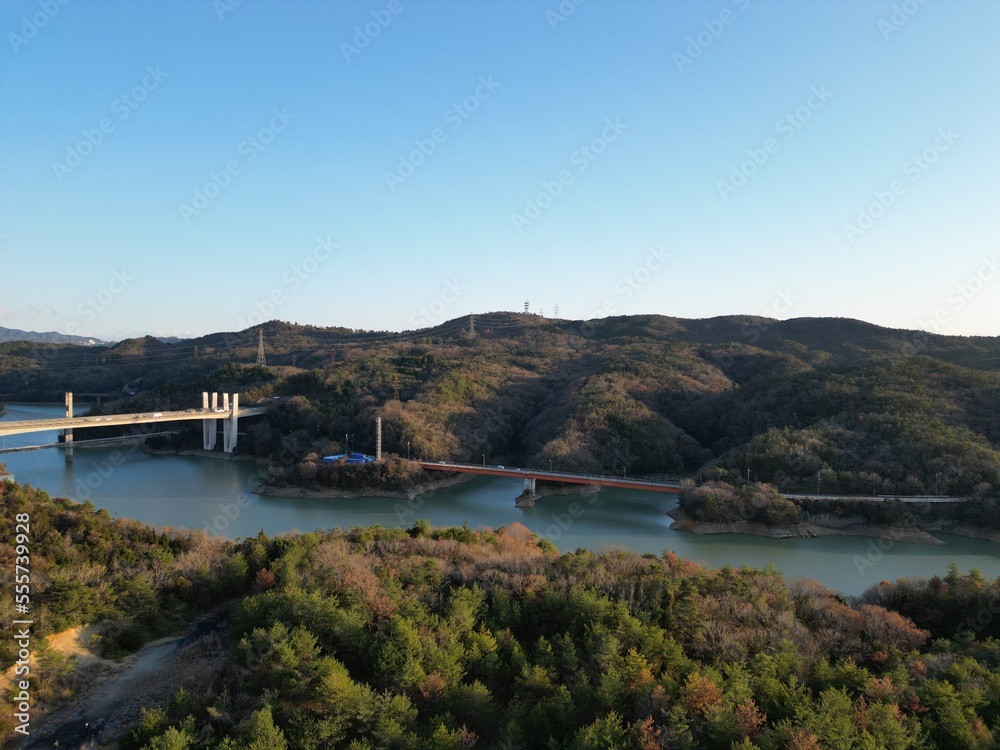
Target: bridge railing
[{"x": 546, "y": 473}]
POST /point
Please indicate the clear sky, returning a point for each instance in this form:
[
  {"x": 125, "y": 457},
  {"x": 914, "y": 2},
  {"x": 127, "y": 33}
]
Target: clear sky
[{"x": 192, "y": 166}]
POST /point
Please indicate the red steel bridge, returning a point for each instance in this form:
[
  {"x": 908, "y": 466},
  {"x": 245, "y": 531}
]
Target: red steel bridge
[{"x": 530, "y": 476}]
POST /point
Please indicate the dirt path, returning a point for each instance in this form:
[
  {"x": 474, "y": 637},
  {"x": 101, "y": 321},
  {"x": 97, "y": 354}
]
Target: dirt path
[{"x": 101, "y": 712}]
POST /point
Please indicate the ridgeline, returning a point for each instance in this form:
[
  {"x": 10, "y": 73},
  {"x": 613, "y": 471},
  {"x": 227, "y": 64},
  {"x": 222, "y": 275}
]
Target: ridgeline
[{"x": 836, "y": 403}]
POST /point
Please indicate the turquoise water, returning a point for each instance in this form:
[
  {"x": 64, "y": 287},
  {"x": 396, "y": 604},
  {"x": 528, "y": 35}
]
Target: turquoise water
[{"x": 211, "y": 494}]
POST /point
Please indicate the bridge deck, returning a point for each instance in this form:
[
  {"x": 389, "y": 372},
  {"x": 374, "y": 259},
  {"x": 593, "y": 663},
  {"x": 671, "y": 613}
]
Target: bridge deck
[
  {"x": 16, "y": 427},
  {"x": 554, "y": 476}
]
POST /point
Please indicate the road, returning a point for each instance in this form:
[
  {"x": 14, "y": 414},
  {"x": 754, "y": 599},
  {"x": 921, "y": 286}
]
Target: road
[
  {"x": 603, "y": 480},
  {"x": 147, "y": 678},
  {"x": 17, "y": 427},
  {"x": 600, "y": 480}
]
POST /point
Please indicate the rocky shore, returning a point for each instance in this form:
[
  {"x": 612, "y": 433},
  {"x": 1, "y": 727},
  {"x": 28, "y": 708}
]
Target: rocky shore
[
  {"x": 331, "y": 493},
  {"x": 806, "y": 530}
]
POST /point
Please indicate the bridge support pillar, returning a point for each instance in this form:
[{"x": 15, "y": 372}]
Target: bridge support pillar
[
  {"x": 527, "y": 498},
  {"x": 69, "y": 432},
  {"x": 208, "y": 426},
  {"x": 231, "y": 423}
]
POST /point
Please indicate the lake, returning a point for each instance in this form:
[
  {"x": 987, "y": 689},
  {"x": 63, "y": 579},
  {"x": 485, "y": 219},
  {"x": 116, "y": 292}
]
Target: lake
[{"x": 213, "y": 494}]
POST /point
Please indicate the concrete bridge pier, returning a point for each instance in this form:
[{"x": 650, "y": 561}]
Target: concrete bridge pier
[
  {"x": 527, "y": 498},
  {"x": 69, "y": 431},
  {"x": 231, "y": 422},
  {"x": 208, "y": 426}
]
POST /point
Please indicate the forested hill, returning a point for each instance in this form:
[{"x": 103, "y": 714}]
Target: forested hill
[
  {"x": 855, "y": 405},
  {"x": 452, "y": 639}
]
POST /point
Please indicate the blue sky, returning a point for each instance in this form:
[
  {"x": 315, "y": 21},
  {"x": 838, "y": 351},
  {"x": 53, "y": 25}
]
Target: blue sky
[{"x": 194, "y": 166}]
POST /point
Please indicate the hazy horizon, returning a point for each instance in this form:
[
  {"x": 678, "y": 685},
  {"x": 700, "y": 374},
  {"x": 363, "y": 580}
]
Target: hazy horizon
[{"x": 461, "y": 322}]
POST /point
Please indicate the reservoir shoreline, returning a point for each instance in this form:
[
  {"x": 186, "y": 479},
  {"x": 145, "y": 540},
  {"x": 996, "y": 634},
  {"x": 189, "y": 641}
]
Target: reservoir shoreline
[{"x": 186, "y": 491}]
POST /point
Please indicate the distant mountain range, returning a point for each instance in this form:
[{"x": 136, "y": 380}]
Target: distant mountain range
[
  {"x": 49, "y": 337},
  {"x": 52, "y": 337}
]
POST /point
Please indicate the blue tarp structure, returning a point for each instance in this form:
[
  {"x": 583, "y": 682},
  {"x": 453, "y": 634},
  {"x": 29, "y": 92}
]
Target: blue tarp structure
[{"x": 349, "y": 458}]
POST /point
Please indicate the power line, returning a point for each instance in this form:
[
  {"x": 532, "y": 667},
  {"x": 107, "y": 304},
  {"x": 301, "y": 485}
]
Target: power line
[{"x": 177, "y": 353}]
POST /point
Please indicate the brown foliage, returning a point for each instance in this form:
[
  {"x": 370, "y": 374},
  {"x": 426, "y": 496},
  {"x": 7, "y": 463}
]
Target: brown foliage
[
  {"x": 749, "y": 719},
  {"x": 263, "y": 580},
  {"x": 700, "y": 695}
]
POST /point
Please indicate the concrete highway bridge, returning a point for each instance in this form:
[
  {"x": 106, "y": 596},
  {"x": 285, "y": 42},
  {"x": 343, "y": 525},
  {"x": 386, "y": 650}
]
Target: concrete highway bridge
[{"x": 211, "y": 413}]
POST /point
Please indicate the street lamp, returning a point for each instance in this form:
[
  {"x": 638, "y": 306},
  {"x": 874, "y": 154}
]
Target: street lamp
[
  {"x": 484, "y": 458},
  {"x": 407, "y": 450},
  {"x": 550, "y": 464}
]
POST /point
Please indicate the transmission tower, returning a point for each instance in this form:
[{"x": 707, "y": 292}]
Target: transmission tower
[
  {"x": 555, "y": 314},
  {"x": 395, "y": 388},
  {"x": 527, "y": 306},
  {"x": 261, "y": 362},
  {"x": 472, "y": 326}
]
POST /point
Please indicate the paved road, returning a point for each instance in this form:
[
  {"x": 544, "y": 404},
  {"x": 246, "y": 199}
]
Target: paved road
[
  {"x": 17, "y": 427},
  {"x": 641, "y": 484},
  {"x": 600, "y": 480}
]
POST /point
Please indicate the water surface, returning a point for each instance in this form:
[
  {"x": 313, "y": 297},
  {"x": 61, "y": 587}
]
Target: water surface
[{"x": 212, "y": 494}]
